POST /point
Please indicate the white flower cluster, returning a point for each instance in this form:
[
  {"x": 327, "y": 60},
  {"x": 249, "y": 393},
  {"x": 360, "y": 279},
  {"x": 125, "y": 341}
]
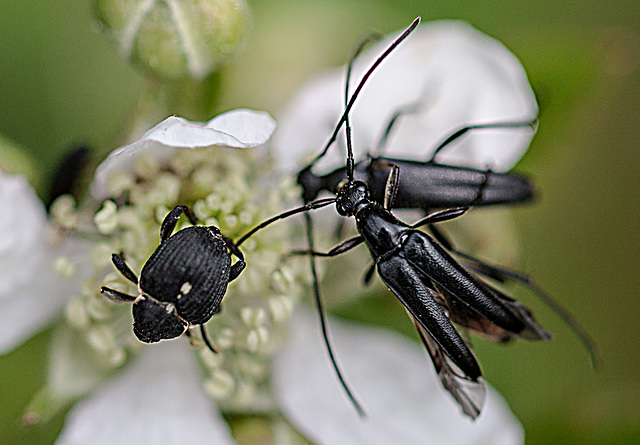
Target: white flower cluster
[{"x": 159, "y": 397}]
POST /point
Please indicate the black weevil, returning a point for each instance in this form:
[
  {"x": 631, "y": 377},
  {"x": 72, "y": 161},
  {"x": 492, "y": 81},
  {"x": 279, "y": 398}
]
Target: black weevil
[{"x": 182, "y": 282}]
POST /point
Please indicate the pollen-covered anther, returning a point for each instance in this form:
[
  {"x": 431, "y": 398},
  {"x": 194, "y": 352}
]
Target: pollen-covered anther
[
  {"x": 252, "y": 316},
  {"x": 63, "y": 266},
  {"x": 106, "y": 219},
  {"x": 281, "y": 308},
  {"x": 256, "y": 338},
  {"x": 220, "y": 384},
  {"x": 76, "y": 314},
  {"x": 63, "y": 212}
]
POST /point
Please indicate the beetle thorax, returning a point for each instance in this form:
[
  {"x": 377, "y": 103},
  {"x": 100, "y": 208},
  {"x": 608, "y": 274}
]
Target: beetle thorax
[{"x": 352, "y": 197}]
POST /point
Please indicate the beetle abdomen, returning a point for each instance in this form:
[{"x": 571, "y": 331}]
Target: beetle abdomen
[{"x": 191, "y": 270}]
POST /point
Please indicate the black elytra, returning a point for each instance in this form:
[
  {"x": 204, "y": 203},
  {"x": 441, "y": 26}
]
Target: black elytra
[
  {"x": 436, "y": 289},
  {"x": 425, "y": 185},
  {"x": 183, "y": 281}
]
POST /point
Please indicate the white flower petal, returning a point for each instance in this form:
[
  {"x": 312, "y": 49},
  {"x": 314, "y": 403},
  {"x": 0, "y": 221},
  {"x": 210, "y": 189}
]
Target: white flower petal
[
  {"x": 31, "y": 293},
  {"x": 393, "y": 379},
  {"x": 158, "y": 400},
  {"x": 234, "y": 129},
  {"x": 461, "y": 77}
]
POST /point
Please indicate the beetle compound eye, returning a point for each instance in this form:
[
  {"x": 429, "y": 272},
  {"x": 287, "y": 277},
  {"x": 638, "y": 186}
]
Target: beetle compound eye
[{"x": 152, "y": 321}]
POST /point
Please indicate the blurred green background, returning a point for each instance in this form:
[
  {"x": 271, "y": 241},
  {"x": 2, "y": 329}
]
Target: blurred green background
[{"x": 62, "y": 83}]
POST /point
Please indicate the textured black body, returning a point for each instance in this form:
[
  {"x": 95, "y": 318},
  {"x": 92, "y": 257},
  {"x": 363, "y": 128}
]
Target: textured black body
[
  {"x": 425, "y": 185},
  {"x": 197, "y": 256},
  {"x": 182, "y": 282}
]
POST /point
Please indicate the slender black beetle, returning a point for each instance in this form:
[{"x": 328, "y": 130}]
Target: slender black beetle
[
  {"x": 435, "y": 289},
  {"x": 182, "y": 282},
  {"x": 423, "y": 185}
]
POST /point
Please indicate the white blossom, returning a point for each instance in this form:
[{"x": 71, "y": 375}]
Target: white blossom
[
  {"x": 31, "y": 292},
  {"x": 456, "y": 76},
  {"x": 159, "y": 397}
]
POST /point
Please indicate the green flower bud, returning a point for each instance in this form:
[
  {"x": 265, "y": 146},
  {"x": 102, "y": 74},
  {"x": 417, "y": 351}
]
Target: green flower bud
[{"x": 176, "y": 38}]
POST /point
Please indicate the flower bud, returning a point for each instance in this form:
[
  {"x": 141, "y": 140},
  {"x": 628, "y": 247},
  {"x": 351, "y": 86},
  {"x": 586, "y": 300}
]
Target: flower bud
[{"x": 178, "y": 38}]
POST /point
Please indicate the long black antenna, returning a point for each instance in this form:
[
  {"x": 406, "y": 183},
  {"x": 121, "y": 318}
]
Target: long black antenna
[
  {"x": 373, "y": 67},
  {"x": 532, "y": 123},
  {"x": 367, "y": 40},
  {"x": 305, "y": 208},
  {"x": 323, "y": 321}
]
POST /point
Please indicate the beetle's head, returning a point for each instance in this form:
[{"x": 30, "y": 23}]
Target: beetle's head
[
  {"x": 351, "y": 196},
  {"x": 154, "y": 321}
]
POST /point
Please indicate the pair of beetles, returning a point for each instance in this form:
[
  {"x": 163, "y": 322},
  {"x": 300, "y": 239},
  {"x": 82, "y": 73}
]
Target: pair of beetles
[{"x": 183, "y": 282}]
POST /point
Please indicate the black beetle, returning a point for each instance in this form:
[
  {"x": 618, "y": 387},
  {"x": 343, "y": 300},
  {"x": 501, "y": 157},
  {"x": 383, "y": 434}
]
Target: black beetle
[
  {"x": 435, "y": 289},
  {"x": 182, "y": 282},
  {"x": 425, "y": 185}
]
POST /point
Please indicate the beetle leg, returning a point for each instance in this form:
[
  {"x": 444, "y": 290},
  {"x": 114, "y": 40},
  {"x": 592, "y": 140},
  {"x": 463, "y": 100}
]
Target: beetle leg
[
  {"x": 391, "y": 188},
  {"x": 501, "y": 274},
  {"x": 366, "y": 279},
  {"x": 123, "y": 268},
  {"x": 411, "y": 108},
  {"x": 171, "y": 220},
  {"x": 206, "y": 340},
  {"x": 440, "y": 237},
  {"x": 117, "y": 296},
  {"x": 465, "y": 129},
  {"x": 236, "y": 269},
  {"x": 337, "y": 250},
  {"x": 442, "y": 215},
  {"x": 239, "y": 265}
]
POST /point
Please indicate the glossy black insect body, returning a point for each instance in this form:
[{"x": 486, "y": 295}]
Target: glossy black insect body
[
  {"x": 424, "y": 185},
  {"x": 436, "y": 289},
  {"x": 182, "y": 282}
]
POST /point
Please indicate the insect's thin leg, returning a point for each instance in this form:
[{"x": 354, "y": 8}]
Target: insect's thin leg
[
  {"x": 391, "y": 188},
  {"x": 123, "y": 268},
  {"x": 323, "y": 321},
  {"x": 305, "y": 208},
  {"x": 464, "y": 130},
  {"x": 363, "y": 81},
  {"x": 205, "y": 338},
  {"x": 335, "y": 251},
  {"x": 442, "y": 215},
  {"x": 408, "y": 109},
  {"x": 239, "y": 265},
  {"x": 171, "y": 220},
  {"x": 117, "y": 296},
  {"x": 337, "y": 233},
  {"x": 502, "y": 274},
  {"x": 440, "y": 237},
  {"x": 366, "y": 279},
  {"x": 485, "y": 180}
]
